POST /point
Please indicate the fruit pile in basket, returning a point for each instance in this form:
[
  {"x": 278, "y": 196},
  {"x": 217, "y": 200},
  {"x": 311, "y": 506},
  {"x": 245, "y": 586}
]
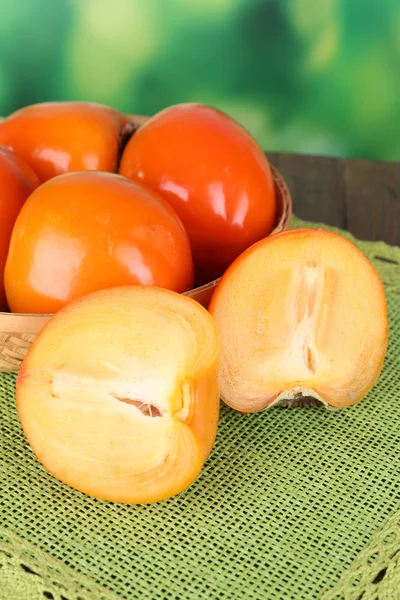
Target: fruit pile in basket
[
  {"x": 122, "y": 228},
  {"x": 169, "y": 204}
]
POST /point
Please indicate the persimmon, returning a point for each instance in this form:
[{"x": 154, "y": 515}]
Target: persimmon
[
  {"x": 213, "y": 174},
  {"x": 62, "y": 137},
  {"x": 82, "y": 232},
  {"x": 17, "y": 182},
  {"x": 118, "y": 396},
  {"x": 303, "y": 319}
]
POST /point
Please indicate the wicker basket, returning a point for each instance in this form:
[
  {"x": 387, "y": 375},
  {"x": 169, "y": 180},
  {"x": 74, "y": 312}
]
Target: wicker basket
[{"x": 17, "y": 331}]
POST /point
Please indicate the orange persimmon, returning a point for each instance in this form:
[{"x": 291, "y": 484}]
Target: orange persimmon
[
  {"x": 303, "y": 318},
  {"x": 118, "y": 396},
  {"x": 82, "y": 232},
  {"x": 17, "y": 182},
  {"x": 213, "y": 174},
  {"x": 61, "y": 137}
]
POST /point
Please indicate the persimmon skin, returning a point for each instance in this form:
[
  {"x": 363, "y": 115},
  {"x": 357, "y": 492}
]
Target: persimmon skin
[
  {"x": 302, "y": 314},
  {"x": 79, "y": 387},
  {"x": 17, "y": 182},
  {"x": 82, "y": 232},
  {"x": 213, "y": 174},
  {"x": 63, "y": 137}
]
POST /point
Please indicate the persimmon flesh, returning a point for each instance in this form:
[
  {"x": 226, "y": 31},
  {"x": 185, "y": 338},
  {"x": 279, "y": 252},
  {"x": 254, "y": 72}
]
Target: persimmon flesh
[
  {"x": 213, "y": 173},
  {"x": 303, "y": 319},
  {"x": 118, "y": 396},
  {"x": 82, "y": 232},
  {"x": 62, "y": 137},
  {"x": 17, "y": 182}
]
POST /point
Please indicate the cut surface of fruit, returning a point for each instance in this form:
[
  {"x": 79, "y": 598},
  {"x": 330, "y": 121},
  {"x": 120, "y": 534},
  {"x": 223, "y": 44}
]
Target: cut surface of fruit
[
  {"x": 118, "y": 396},
  {"x": 62, "y": 137},
  {"x": 213, "y": 173},
  {"x": 82, "y": 232},
  {"x": 302, "y": 315}
]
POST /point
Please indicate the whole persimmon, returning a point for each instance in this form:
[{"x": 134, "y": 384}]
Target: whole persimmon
[
  {"x": 82, "y": 232},
  {"x": 62, "y": 137},
  {"x": 118, "y": 395},
  {"x": 303, "y": 319},
  {"x": 17, "y": 182},
  {"x": 213, "y": 174}
]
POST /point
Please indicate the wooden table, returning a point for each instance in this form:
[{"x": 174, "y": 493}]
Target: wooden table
[{"x": 358, "y": 195}]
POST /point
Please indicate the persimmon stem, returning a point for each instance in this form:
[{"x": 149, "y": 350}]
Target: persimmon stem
[
  {"x": 299, "y": 398},
  {"x": 300, "y": 402}
]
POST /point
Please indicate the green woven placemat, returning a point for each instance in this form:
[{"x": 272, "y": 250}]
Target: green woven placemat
[{"x": 292, "y": 505}]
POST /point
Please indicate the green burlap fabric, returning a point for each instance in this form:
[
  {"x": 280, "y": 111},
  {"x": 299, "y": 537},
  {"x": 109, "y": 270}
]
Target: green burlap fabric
[{"x": 291, "y": 505}]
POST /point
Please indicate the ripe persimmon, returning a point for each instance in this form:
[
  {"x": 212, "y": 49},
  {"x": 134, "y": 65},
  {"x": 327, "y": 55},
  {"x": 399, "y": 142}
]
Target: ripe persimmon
[
  {"x": 303, "y": 318},
  {"x": 82, "y": 232},
  {"x": 213, "y": 174},
  {"x": 118, "y": 395},
  {"x": 17, "y": 182},
  {"x": 62, "y": 137}
]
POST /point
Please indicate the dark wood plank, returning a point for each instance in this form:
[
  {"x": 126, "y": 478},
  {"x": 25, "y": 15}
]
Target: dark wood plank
[
  {"x": 373, "y": 200},
  {"x": 317, "y": 187},
  {"x": 359, "y": 195}
]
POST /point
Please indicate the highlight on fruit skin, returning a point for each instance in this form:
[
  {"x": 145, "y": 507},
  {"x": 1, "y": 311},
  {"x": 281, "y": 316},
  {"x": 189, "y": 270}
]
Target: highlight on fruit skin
[
  {"x": 62, "y": 137},
  {"x": 303, "y": 320},
  {"x": 118, "y": 396},
  {"x": 82, "y": 232}
]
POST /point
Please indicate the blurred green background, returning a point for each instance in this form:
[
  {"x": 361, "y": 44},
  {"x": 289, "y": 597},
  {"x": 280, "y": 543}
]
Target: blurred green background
[{"x": 309, "y": 76}]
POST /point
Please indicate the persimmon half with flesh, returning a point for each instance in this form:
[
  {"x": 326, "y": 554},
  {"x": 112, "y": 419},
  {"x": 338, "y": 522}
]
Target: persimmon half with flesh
[
  {"x": 82, "y": 232},
  {"x": 303, "y": 320},
  {"x": 62, "y": 137},
  {"x": 213, "y": 173},
  {"x": 17, "y": 182},
  {"x": 118, "y": 396}
]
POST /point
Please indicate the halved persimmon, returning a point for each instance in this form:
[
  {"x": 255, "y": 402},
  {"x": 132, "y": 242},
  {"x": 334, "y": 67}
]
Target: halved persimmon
[
  {"x": 118, "y": 396},
  {"x": 82, "y": 232},
  {"x": 303, "y": 318},
  {"x": 62, "y": 137},
  {"x": 17, "y": 182}
]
